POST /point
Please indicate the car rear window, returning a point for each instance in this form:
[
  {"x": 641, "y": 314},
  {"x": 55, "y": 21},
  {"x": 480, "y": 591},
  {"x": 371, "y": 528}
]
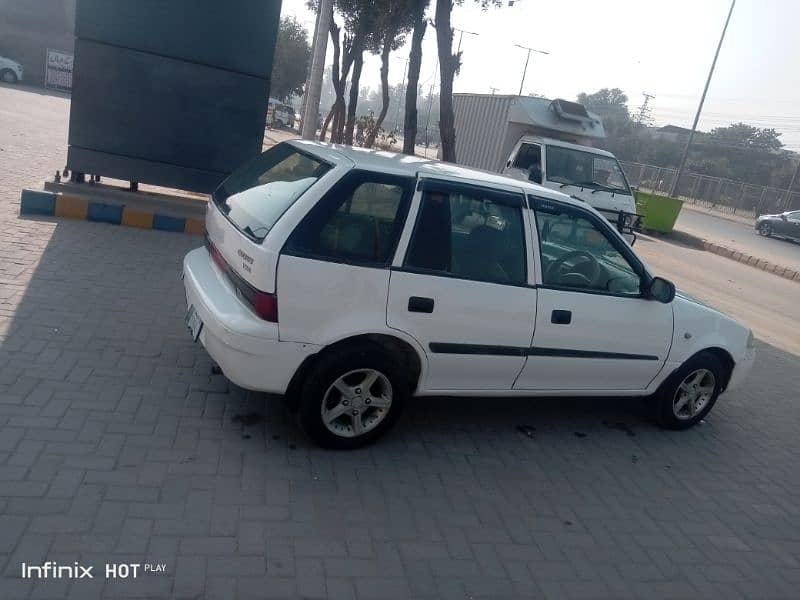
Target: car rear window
[{"x": 256, "y": 195}]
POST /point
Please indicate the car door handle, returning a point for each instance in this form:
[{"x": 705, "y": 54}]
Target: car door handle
[
  {"x": 420, "y": 304},
  {"x": 561, "y": 317}
]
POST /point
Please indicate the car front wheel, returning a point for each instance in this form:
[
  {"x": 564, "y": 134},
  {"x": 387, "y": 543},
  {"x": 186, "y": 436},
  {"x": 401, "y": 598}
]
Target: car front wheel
[
  {"x": 688, "y": 395},
  {"x": 765, "y": 229},
  {"x": 8, "y": 76},
  {"x": 351, "y": 397}
]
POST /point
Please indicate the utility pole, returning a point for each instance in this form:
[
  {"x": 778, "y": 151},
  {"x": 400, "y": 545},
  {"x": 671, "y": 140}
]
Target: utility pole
[
  {"x": 674, "y": 189},
  {"x": 317, "y": 68},
  {"x": 461, "y": 37},
  {"x": 494, "y": 89},
  {"x": 430, "y": 102},
  {"x": 308, "y": 79},
  {"x": 525, "y": 70},
  {"x": 400, "y": 95},
  {"x": 644, "y": 112}
]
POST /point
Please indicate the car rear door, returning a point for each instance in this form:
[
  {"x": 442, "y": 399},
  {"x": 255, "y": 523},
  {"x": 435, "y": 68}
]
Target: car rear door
[
  {"x": 460, "y": 285},
  {"x": 333, "y": 271},
  {"x": 594, "y": 330}
]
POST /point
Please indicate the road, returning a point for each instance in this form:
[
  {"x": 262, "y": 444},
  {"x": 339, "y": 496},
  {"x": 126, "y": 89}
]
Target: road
[
  {"x": 766, "y": 303},
  {"x": 739, "y": 236}
]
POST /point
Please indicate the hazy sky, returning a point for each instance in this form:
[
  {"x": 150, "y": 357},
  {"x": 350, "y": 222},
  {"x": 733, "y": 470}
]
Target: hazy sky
[{"x": 663, "y": 47}]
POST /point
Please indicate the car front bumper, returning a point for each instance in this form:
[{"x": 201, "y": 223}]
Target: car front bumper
[
  {"x": 247, "y": 348},
  {"x": 741, "y": 369}
]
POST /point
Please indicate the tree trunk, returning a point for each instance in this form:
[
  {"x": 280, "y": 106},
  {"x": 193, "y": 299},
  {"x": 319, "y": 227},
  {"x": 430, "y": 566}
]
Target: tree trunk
[
  {"x": 337, "y": 133},
  {"x": 358, "y": 64},
  {"x": 323, "y": 132},
  {"x": 387, "y": 48},
  {"x": 334, "y": 31},
  {"x": 448, "y": 64},
  {"x": 414, "y": 65}
]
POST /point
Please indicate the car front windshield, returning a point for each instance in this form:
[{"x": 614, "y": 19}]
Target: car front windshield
[
  {"x": 256, "y": 195},
  {"x": 568, "y": 166}
]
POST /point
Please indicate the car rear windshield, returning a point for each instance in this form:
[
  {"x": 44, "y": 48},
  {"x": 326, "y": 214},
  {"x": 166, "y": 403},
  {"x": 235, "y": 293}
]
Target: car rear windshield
[{"x": 256, "y": 195}]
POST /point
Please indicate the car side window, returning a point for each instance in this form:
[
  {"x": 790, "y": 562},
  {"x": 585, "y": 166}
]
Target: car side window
[
  {"x": 462, "y": 232},
  {"x": 358, "y": 221},
  {"x": 528, "y": 156},
  {"x": 577, "y": 253}
]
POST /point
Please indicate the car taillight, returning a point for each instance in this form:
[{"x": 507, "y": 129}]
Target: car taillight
[{"x": 264, "y": 304}]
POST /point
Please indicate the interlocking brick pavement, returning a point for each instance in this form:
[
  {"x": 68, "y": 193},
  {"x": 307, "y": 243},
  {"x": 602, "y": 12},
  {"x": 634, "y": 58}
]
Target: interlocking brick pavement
[{"x": 117, "y": 444}]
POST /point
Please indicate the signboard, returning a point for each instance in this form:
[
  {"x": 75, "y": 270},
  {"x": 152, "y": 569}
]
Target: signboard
[{"x": 58, "y": 70}]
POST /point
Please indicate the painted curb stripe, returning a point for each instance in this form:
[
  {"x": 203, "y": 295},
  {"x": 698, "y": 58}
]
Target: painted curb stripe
[
  {"x": 137, "y": 218},
  {"x": 71, "y": 207},
  {"x": 34, "y": 202},
  {"x": 169, "y": 223},
  {"x": 195, "y": 226},
  {"x": 105, "y": 213}
]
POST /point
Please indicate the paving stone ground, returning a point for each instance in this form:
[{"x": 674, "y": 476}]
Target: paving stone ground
[{"x": 118, "y": 445}]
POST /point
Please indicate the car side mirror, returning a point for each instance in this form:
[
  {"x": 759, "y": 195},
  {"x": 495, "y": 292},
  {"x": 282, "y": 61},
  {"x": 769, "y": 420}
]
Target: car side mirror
[
  {"x": 535, "y": 174},
  {"x": 661, "y": 289}
]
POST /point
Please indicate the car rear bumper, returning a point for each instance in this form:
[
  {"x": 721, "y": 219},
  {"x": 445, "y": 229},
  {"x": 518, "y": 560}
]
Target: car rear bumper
[
  {"x": 741, "y": 369},
  {"x": 246, "y": 348}
]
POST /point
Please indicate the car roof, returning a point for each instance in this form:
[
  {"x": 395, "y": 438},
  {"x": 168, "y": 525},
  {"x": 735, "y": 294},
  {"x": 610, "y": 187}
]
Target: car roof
[
  {"x": 404, "y": 164},
  {"x": 556, "y": 142}
]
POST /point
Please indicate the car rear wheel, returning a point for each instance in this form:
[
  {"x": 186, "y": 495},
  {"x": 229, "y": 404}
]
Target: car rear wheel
[
  {"x": 8, "y": 76},
  {"x": 765, "y": 229},
  {"x": 687, "y": 396},
  {"x": 352, "y": 396}
]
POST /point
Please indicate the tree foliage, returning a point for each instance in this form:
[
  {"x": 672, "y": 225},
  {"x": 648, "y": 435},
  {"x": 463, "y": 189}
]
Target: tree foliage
[
  {"x": 742, "y": 135},
  {"x": 738, "y": 151},
  {"x": 292, "y": 55},
  {"x": 612, "y": 106}
]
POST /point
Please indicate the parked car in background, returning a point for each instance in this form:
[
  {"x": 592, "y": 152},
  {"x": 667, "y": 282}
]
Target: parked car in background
[
  {"x": 350, "y": 279},
  {"x": 280, "y": 115},
  {"x": 783, "y": 225},
  {"x": 10, "y": 70}
]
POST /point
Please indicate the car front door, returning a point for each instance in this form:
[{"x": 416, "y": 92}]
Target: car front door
[
  {"x": 459, "y": 285},
  {"x": 594, "y": 328},
  {"x": 525, "y": 162},
  {"x": 793, "y": 225}
]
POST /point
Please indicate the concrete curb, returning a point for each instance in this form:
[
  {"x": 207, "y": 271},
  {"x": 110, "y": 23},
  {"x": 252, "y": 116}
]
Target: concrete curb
[
  {"x": 35, "y": 202},
  {"x": 753, "y": 261}
]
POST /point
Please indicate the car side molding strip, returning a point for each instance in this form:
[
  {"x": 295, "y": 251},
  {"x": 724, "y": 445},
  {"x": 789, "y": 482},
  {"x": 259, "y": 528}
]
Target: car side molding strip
[{"x": 486, "y": 350}]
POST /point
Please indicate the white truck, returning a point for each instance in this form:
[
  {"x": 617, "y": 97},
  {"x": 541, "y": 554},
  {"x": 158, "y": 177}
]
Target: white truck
[{"x": 546, "y": 142}]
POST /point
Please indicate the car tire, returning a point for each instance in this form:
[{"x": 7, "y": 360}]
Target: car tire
[
  {"x": 339, "y": 407},
  {"x": 278, "y": 124},
  {"x": 8, "y": 76},
  {"x": 765, "y": 229},
  {"x": 689, "y": 394}
]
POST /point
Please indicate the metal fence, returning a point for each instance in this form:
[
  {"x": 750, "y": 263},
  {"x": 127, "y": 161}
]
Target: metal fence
[{"x": 726, "y": 195}]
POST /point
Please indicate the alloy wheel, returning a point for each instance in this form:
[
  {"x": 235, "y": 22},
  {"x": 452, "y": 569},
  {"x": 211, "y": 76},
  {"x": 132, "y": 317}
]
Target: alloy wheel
[
  {"x": 693, "y": 394},
  {"x": 356, "y": 403}
]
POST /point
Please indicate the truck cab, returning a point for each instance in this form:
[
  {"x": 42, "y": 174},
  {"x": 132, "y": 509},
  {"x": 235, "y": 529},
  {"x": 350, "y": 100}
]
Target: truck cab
[{"x": 588, "y": 174}]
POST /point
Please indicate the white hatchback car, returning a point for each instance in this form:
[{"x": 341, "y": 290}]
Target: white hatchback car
[{"x": 350, "y": 279}]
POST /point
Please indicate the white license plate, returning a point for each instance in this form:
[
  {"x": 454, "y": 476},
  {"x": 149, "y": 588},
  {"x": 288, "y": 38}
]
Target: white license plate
[{"x": 193, "y": 322}]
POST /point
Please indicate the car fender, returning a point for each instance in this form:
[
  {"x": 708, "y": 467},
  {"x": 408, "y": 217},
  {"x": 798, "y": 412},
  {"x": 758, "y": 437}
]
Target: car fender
[{"x": 699, "y": 327}]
